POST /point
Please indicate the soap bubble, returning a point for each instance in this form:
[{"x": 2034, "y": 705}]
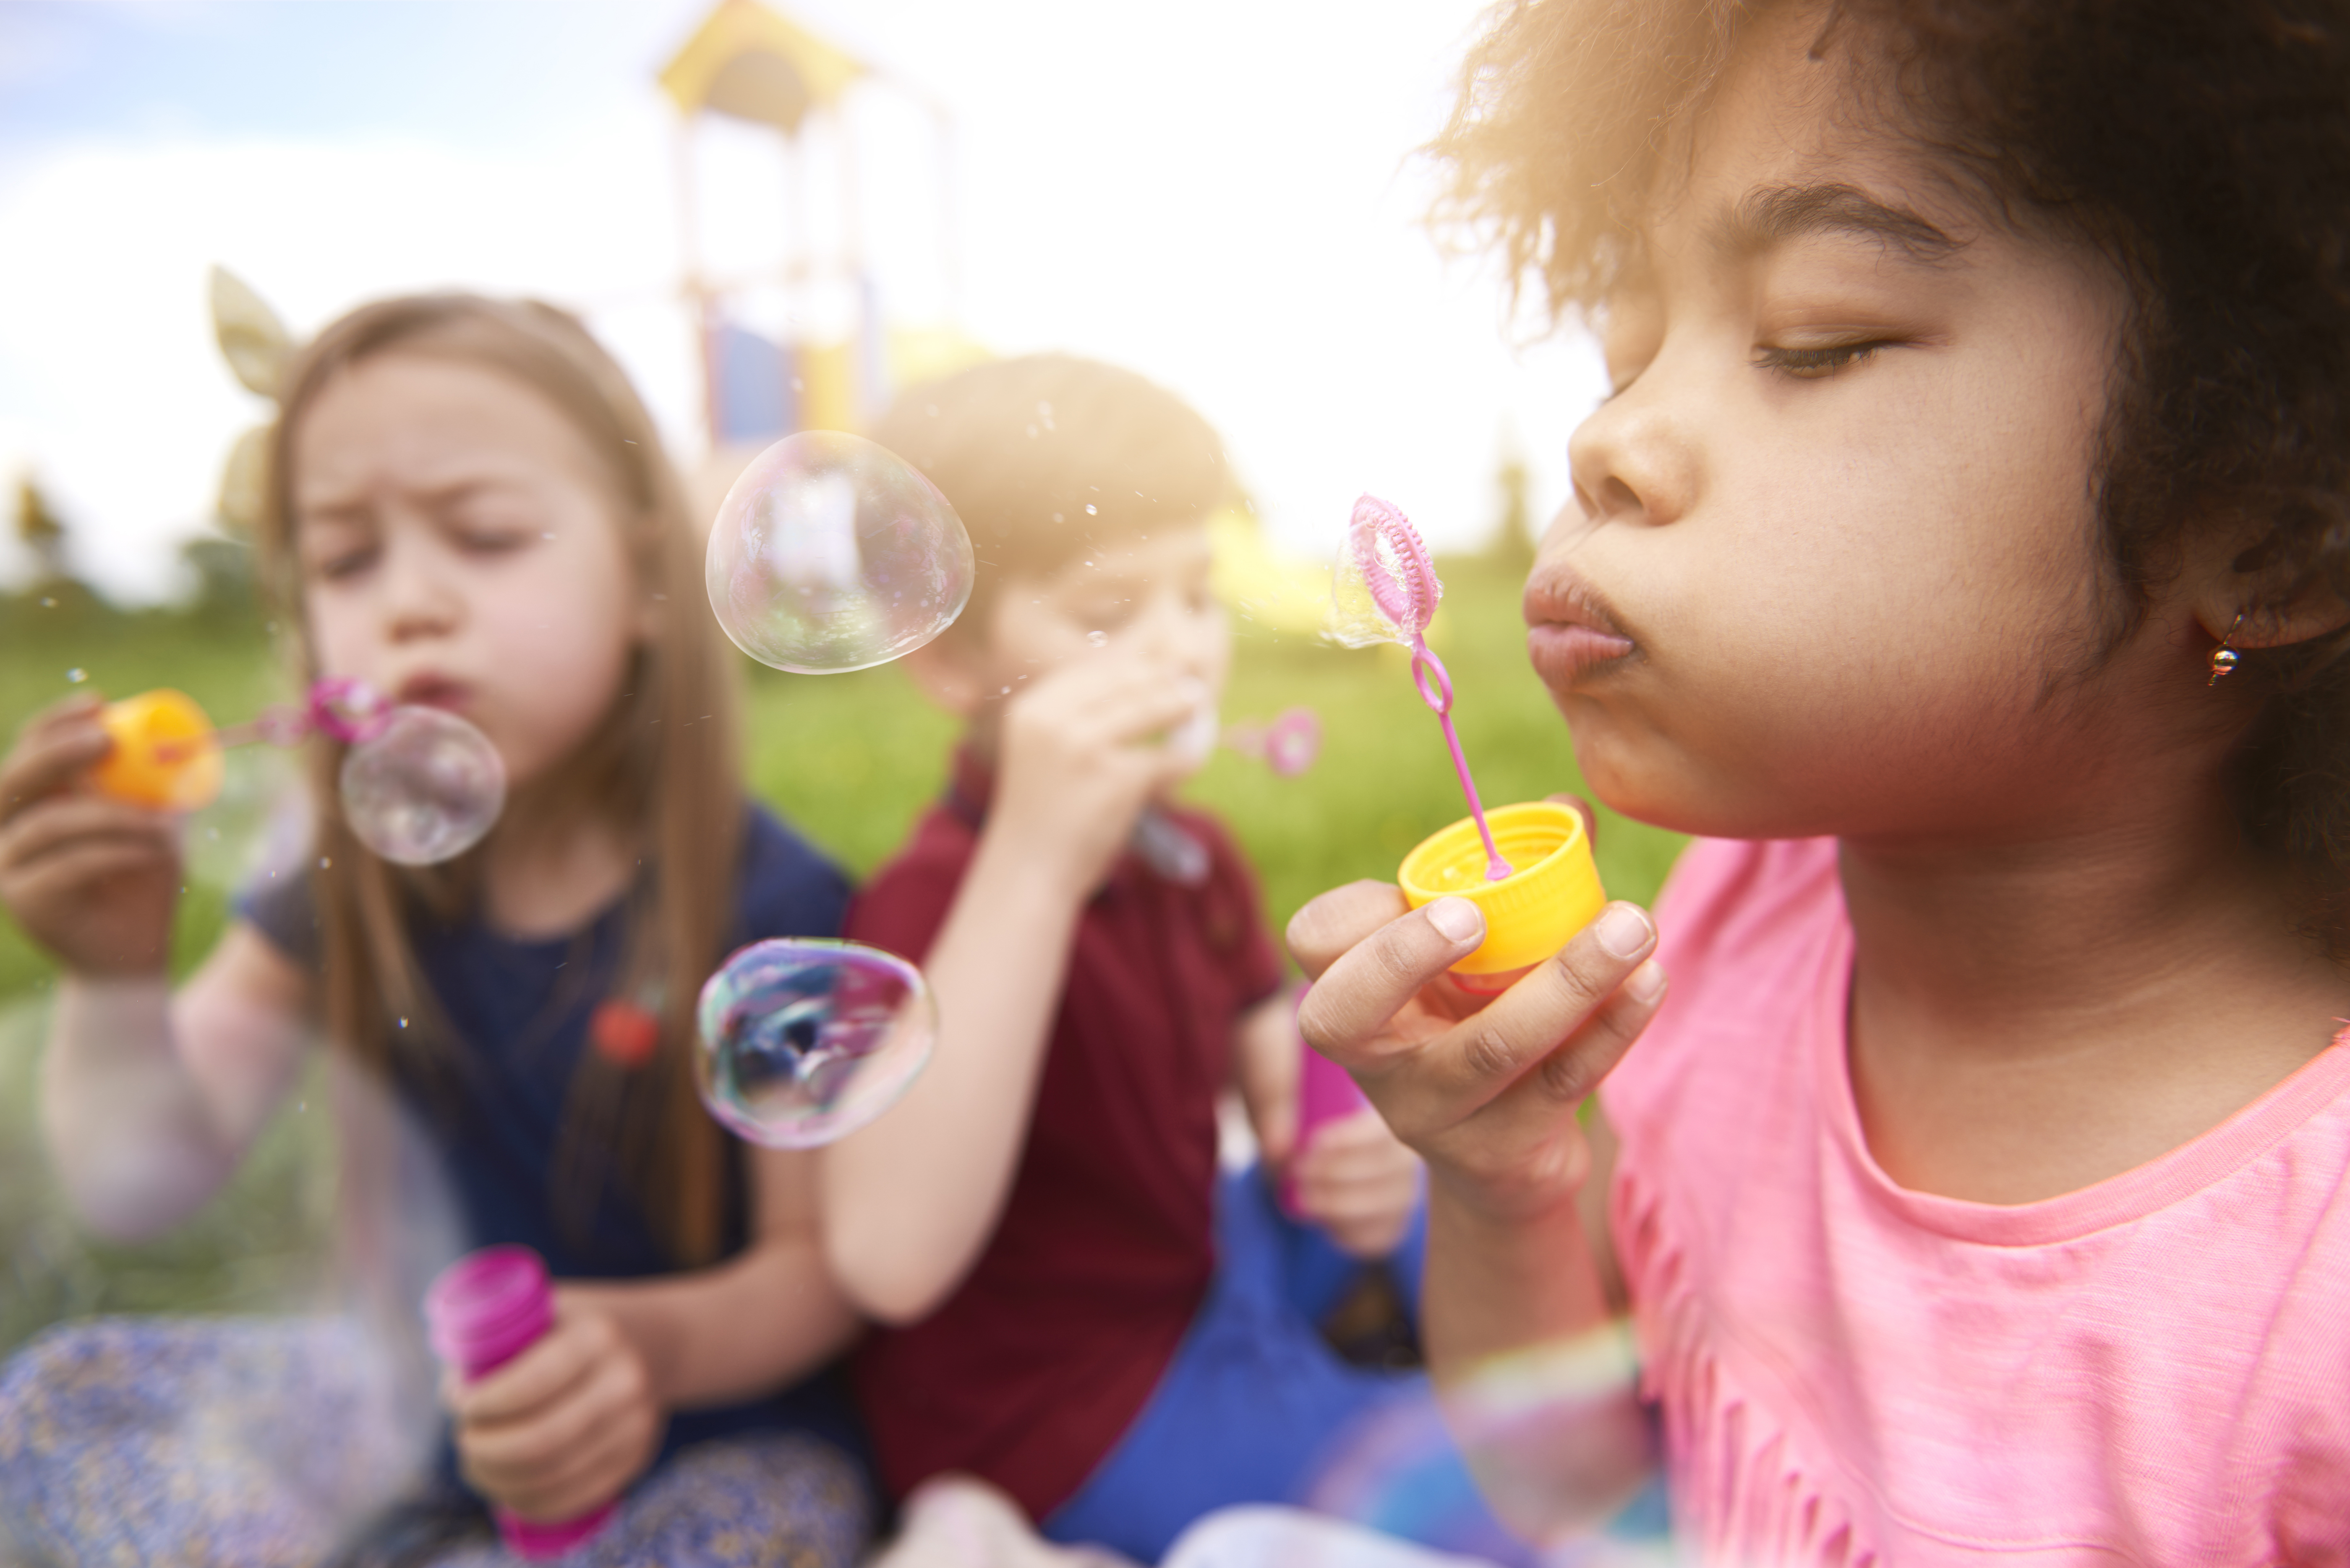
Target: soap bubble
[
  {"x": 832, "y": 553},
  {"x": 1194, "y": 740},
  {"x": 1383, "y": 588},
  {"x": 803, "y": 1040},
  {"x": 424, "y": 788}
]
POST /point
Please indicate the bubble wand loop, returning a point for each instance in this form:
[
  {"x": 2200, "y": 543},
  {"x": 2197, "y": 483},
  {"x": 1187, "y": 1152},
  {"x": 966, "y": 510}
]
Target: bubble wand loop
[{"x": 1403, "y": 585}]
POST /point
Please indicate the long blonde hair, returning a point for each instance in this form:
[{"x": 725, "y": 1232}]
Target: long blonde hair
[{"x": 663, "y": 763}]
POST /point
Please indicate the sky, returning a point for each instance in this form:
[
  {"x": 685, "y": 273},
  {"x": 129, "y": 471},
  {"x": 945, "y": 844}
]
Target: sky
[{"x": 1224, "y": 196}]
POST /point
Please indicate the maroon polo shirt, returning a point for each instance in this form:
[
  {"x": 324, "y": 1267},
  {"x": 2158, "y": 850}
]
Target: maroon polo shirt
[{"x": 1047, "y": 1351}]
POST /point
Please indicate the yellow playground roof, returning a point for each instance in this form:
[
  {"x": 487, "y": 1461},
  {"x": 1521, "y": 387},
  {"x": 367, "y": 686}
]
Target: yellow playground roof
[{"x": 756, "y": 64}]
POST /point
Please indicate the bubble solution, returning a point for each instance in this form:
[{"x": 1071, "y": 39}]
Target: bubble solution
[
  {"x": 831, "y": 553},
  {"x": 805, "y": 1040},
  {"x": 423, "y": 786}
]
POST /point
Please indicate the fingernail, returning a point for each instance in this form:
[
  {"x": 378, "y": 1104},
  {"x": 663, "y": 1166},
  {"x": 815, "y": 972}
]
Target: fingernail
[
  {"x": 1456, "y": 919},
  {"x": 1647, "y": 983},
  {"x": 1623, "y": 931}
]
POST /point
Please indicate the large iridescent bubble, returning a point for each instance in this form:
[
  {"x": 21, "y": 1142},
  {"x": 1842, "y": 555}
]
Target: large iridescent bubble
[
  {"x": 832, "y": 553},
  {"x": 805, "y": 1040},
  {"x": 423, "y": 786}
]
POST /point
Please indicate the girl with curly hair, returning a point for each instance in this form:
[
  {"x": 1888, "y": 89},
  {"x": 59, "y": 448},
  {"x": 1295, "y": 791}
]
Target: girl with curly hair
[{"x": 1963, "y": 555}]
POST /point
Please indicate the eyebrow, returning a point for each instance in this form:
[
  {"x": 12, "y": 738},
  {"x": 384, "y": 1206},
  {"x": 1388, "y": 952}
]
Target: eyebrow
[{"x": 1774, "y": 214}]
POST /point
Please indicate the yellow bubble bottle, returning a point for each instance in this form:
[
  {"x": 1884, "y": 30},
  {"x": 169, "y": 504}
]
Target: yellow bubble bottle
[
  {"x": 165, "y": 755},
  {"x": 1528, "y": 867},
  {"x": 1530, "y": 913}
]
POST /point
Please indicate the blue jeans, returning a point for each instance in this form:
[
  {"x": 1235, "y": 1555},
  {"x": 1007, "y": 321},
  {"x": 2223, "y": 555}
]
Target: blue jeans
[{"x": 1256, "y": 1407}]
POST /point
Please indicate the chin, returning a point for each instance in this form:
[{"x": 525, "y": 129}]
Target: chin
[{"x": 1649, "y": 782}]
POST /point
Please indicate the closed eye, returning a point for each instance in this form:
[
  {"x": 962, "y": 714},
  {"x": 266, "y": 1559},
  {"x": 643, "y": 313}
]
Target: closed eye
[
  {"x": 340, "y": 564},
  {"x": 1816, "y": 364}
]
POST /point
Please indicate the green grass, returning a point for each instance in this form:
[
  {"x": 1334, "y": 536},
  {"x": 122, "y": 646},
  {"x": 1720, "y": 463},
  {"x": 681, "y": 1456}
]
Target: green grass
[{"x": 850, "y": 760}]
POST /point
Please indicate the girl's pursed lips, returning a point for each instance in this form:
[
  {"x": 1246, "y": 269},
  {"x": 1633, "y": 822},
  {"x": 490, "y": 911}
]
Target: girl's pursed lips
[
  {"x": 1571, "y": 629},
  {"x": 431, "y": 689}
]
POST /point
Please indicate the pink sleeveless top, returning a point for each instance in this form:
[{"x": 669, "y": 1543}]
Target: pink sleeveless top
[{"x": 2153, "y": 1370}]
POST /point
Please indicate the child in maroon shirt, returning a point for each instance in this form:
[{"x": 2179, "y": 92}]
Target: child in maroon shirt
[{"x": 1071, "y": 1308}]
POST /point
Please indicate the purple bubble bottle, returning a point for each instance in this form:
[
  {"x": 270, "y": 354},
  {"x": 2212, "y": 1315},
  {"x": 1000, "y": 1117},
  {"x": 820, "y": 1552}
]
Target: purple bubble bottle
[{"x": 485, "y": 1308}]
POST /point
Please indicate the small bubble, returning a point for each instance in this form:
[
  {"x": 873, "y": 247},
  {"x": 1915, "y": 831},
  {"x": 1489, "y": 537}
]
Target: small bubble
[
  {"x": 1098, "y": 638},
  {"x": 1090, "y": 510},
  {"x": 323, "y": 862},
  {"x": 1056, "y": 517},
  {"x": 544, "y": 535},
  {"x": 403, "y": 1023},
  {"x": 77, "y": 675},
  {"x": 1005, "y": 692},
  {"x": 47, "y": 602}
]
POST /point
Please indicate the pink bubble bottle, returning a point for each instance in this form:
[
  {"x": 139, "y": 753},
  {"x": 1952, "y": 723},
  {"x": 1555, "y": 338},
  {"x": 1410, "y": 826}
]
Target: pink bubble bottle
[
  {"x": 1326, "y": 1093},
  {"x": 485, "y": 1308}
]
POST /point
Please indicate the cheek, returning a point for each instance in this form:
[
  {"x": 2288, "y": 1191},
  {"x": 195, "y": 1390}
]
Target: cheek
[
  {"x": 558, "y": 641},
  {"x": 342, "y": 630},
  {"x": 1816, "y": 650}
]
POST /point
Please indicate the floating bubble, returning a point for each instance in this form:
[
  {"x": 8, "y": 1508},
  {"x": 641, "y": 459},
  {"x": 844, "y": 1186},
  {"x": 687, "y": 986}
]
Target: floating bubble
[
  {"x": 423, "y": 787},
  {"x": 832, "y": 553},
  {"x": 77, "y": 675},
  {"x": 803, "y": 1040}
]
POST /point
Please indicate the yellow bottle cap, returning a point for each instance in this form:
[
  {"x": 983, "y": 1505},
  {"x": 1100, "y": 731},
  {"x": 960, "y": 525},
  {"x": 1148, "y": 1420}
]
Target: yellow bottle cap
[
  {"x": 1552, "y": 893},
  {"x": 163, "y": 755}
]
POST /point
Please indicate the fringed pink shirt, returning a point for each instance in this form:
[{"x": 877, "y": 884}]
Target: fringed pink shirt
[{"x": 2153, "y": 1370}]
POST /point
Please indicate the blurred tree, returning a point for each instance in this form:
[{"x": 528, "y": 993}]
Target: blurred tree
[
  {"x": 42, "y": 531},
  {"x": 1512, "y": 544},
  {"x": 224, "y": 581}
]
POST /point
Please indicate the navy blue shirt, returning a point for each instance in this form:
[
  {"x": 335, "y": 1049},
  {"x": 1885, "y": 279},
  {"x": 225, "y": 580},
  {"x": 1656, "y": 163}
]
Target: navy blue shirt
[{"x": 521, "y": 1009}]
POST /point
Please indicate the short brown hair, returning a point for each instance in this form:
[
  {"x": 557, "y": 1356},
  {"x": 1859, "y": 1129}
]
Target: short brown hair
[
  {"x": 2202, "y": 145},
  {"x": 1044, "y": 455}
]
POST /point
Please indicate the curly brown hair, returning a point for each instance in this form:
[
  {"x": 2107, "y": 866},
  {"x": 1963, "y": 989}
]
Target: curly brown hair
[{"x": 2203, "y": 146}]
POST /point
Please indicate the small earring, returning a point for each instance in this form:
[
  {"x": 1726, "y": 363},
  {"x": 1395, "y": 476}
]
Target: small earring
[{"x": 2224, "y": 658}]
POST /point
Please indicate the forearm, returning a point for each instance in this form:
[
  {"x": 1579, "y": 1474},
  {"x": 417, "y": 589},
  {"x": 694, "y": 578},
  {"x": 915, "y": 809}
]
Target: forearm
[
  {"x": 733, "y": 1332},
  {"x": 1535, "y": 1374},
  {"x": 910, "y": 1200},
  {"x": 129, "y": 1128}
]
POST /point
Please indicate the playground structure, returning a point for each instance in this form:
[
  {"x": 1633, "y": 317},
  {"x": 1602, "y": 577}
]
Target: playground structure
[{"x": 800, "y": 340}]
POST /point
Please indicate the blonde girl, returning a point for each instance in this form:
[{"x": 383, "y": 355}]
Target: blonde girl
[{"x": 469, "y": 509}]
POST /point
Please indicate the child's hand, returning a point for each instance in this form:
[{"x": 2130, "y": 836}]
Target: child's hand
[
  {"x": 1083, "y": 752},
  {"x": 1359, "y": 1184},
  {"x": 565, "y": 1427},
  {"x": 93, "y": 881},
  {"x": 1486, "y": 1094}
]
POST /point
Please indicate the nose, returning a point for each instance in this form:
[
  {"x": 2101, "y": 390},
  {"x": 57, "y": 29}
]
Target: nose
[
  {"x": 420, "y": 598},
  {"x": 1635, "y": 459}
]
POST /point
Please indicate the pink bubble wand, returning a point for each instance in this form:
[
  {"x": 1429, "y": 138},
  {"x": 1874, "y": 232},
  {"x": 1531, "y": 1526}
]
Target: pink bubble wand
[
  {"x": 1405, "y": 590},
  {"x": 338, "y": 706},
  {"x": 1287, "y": 745}
]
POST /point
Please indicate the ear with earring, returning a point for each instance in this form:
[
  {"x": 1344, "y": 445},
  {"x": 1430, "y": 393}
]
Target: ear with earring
[{"x": 2224, "y": 658}]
